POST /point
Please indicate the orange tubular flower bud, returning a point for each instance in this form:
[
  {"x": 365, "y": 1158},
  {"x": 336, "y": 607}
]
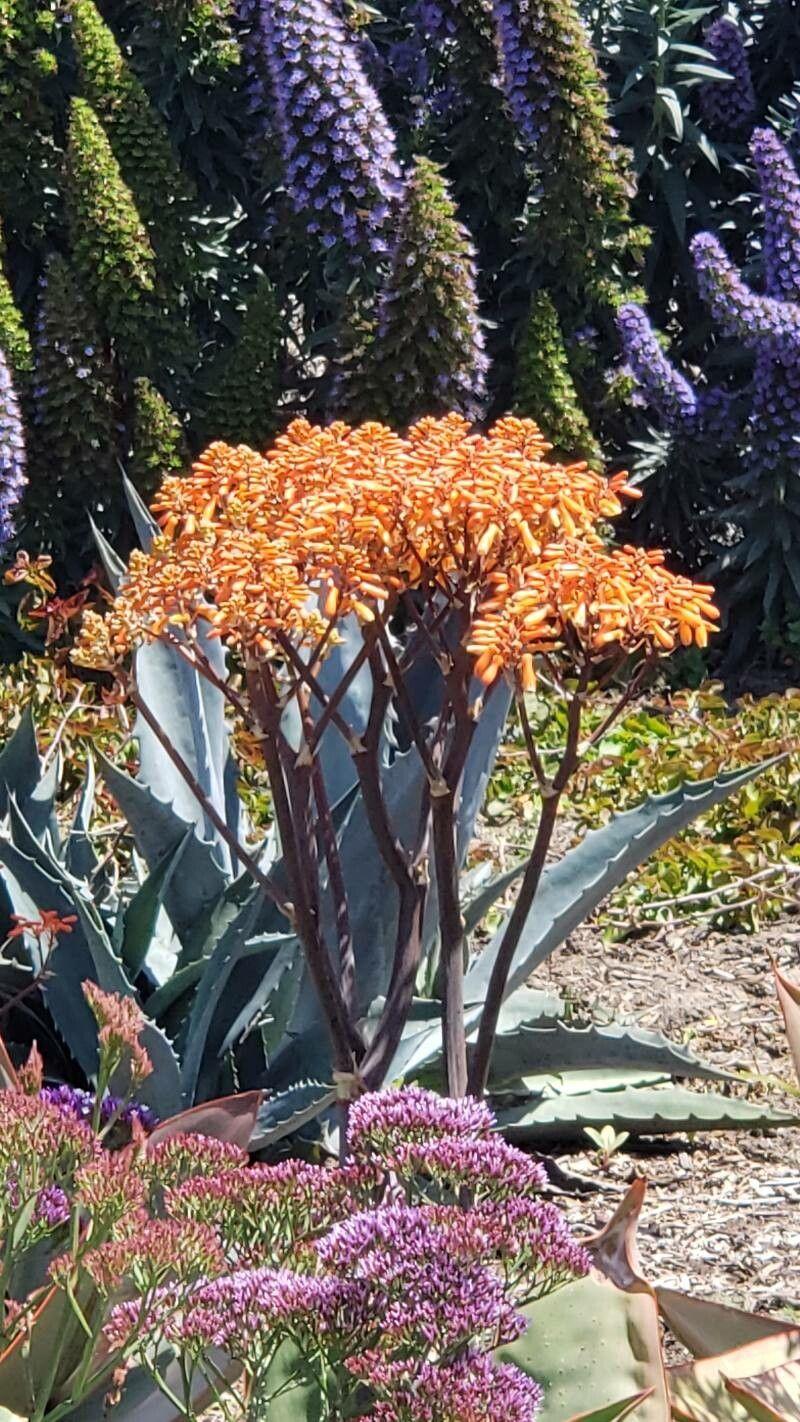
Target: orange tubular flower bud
[{"x": 350, "y": 520}]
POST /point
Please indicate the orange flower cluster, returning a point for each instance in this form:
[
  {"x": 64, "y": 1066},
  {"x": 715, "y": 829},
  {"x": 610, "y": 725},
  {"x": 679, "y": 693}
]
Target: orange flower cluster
[{"x": 341, "y": 520}]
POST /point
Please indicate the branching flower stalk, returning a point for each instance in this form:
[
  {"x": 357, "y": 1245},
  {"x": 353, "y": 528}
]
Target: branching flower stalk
[{"x": 466, "y": 564}]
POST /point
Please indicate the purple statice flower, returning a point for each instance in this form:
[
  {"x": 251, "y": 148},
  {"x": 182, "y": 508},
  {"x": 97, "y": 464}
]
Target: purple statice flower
[
  {"x": 239, "y": 1309},
  {"x": 382, "y": 1120},
  {"x": 728, "y": 106},
  {"x": 666, "y": 389},
  {"x": 524, "y": 71},
  {"x": 423, "y": 1293},
  {"x": 471, "y": 1388},
  {"x": 779, "y": 182},
  {"x": 78, "y": 1104},
  {"x": 51, "y": 1208},
  {"x": 12, "y": 453},
  {"x": 339, "y": 151},
  {"x": 740, "y": 312},
  {"x": 484, "y": 1167}
]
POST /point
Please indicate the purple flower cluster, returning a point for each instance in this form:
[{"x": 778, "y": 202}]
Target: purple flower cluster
[
  {"x": 73, "y": 1101},
  {"x": 740, "y": 312},
  {"x": 524, "y": 71},
  {"x": 666, "y": 389},
  {"x": 779, "y": 182},
  {"x": 470, "y": 1389},
  {"x": 384, "y": 1119},
  {"x": 424, "y": 1293},
  {"x": 12, "y": 453},
  {"x": 774, "y": 422},
  {"x": 728, "y": 107},
  {"x": 51, "y": 1208},
  {"x": 339, "y": 152},
  {"x": 367, "y": 1278}
]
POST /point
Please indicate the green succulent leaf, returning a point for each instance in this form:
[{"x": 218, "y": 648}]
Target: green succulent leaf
[
  {"x": 642, "y": 1111},
  {"x": 560, "y": 1048},
  {"x": 285, "y": 1112},
  {"x": 574, "y": 887},
  {"x": 592, "y": 1342},
  {"x": 159, "y": 830}
]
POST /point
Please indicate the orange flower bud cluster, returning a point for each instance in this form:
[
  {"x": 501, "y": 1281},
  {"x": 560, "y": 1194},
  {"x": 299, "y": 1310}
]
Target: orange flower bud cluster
[{"x": 340, "y": 520}]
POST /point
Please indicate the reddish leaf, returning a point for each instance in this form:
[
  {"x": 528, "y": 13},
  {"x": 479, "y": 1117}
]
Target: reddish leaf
[
  {"x": 701, "y": 1390},
  {"x": 231, "y": 1119},
  {"x": 789, "y": 999},
  {"x": 614, "y": 1250},
  {"x": 773, "y": 1396},
  {"x": 706, "y": 1327}
]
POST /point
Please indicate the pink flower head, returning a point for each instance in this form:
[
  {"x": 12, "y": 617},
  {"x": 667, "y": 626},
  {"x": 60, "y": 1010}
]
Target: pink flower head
[
  {"x": 382, "y": 1120},
  {"x": 486, "y": 1168},
  {"x": 187, "y": 1157},
  {"x": 162, "y": 1250},
  {"x": 111, "y": 1189},
  {"x": 472, "y": 1388},
  {"x": 529, "y": 1240},
  {"x": 121, "y": 1022},
  {"x": 267, "y": 1214}
]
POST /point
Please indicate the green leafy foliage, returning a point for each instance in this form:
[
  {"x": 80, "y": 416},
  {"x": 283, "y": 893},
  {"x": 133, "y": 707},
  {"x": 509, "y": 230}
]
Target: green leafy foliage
[{"x": 737, "y": 863}]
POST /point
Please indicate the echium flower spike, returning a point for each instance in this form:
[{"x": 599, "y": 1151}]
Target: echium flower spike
[
  {"x": 740, "y": 312},
  {"x": 12, "y": 453},
  {"x": 338, "y": 149},
  {"x": 158, "y": 446},
  {"x": 426, "y": 355},
  {"x": 667, "y": 390},
  {"x": 244, "y": 381},
  {"x": 728, "y": 106},
  {"x": 556, "y": 94},
  {"x": 137, "y": 134},
  {"x": 779, "y": 182},
  {"x": 111, "y": 250},
  {"x": 73, "y": 433},
  {"x": 14, "y": 338},
  {"x": 544, "y": 390}
]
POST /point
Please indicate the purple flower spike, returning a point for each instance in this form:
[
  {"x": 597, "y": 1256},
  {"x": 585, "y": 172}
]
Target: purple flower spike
[
  {"x": 779, "y": 181},
  {"x": 339, "y": 151},
  {"x": 667, "y": 390},
  {"x": 526, "y": 79},
  {"x": 740, "y": 312},
  {"x": 12, "y": 453},
  {"x": 728, "y": 106}
]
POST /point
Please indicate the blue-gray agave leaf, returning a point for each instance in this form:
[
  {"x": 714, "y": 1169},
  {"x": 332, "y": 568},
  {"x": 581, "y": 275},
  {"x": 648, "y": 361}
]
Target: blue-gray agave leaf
[{"x": 573, "y": 888}]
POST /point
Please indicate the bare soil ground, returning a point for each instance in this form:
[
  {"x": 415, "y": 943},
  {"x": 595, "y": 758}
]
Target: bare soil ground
[{"x": 723, "y": 1212}]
